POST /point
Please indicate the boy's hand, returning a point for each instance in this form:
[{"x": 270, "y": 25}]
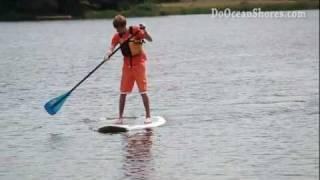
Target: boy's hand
[
  {"x": 108, "y": 53},
  {"x": 106, "y": 56},
  {"x": 142, "y": 26}
]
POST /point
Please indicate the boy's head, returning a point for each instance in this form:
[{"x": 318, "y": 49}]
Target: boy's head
[{"x": 120, "y": 22}]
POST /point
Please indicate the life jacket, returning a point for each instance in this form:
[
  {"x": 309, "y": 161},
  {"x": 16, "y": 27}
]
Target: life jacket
[{"x": 132, "y": 47}]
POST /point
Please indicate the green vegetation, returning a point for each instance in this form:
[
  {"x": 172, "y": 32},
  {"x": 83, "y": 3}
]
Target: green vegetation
[
  {"x": 11, "y": 10},
  {"x": 139, "y": 10}
]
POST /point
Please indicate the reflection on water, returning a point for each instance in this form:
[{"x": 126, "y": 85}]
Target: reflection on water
[{"x": 138, "y": 156}]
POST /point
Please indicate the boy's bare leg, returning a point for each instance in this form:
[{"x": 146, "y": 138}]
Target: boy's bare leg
[
  {"x": 145, "y": 100},
  {"x": 122, "y": 102}
]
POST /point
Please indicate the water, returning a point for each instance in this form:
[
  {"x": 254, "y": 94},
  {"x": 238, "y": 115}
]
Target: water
[{"x": 240, "y": 97}]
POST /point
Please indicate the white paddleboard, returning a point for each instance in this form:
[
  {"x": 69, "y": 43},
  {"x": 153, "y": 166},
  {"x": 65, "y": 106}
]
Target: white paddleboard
[{"x": 116, "y": 128}]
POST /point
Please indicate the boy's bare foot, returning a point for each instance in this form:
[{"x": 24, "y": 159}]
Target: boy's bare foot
[
  {"x": 119, "y": 121},
  {"x": 147, "y": 120}
]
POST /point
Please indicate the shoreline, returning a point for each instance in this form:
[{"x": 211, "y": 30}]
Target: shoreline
[{"x": 178, "y": 8}]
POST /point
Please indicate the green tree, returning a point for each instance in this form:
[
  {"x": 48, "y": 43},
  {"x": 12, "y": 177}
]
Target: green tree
[{"x": 72, "y": 7}]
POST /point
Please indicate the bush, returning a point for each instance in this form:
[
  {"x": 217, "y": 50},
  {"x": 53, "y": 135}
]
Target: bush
[{"x": 146, "y": 9}]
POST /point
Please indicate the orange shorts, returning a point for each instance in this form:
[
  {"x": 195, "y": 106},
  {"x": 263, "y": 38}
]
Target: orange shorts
[{"x": 136, "y": 73}]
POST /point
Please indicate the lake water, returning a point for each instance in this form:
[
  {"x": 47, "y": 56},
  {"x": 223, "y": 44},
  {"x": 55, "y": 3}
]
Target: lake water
[{"x": 240, "y": 97}]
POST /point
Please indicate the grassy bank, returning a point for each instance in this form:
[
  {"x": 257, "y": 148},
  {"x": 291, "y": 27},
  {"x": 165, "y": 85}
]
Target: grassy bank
[{"x": 183, "y": 7}]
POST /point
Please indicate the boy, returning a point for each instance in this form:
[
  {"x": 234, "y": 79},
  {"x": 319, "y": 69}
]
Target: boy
[{"x": 133, "y": 69}]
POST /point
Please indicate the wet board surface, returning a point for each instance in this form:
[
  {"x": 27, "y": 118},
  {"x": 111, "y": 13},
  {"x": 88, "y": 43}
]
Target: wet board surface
[{"x": 117, "y": 128}]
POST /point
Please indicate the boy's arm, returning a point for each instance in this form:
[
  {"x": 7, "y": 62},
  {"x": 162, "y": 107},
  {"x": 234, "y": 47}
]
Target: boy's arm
[
  {"x": 114, "y": 43},
  {"x": 146, "y": 34},
  {"x": 111, "y": 49}
]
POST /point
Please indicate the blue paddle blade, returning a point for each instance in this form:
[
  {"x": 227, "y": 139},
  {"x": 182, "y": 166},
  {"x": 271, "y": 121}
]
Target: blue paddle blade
[{"x": 54, "y": 105}]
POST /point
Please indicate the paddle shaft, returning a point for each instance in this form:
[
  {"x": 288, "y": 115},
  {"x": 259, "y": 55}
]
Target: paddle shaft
[
  {"x": 97, "y": 67},
  {"x": 105, "y": 60}
]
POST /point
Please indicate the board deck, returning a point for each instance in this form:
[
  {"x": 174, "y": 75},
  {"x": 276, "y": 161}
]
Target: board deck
[{"x": 115, "y": 128}]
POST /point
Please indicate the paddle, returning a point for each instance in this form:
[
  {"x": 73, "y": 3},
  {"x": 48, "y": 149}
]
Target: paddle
[{"x": 54, "y": 105}]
